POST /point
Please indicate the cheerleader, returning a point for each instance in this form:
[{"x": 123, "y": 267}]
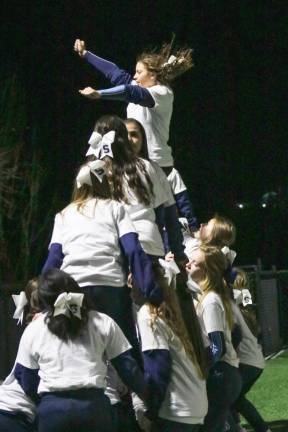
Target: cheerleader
[
  {"x": 17, "y": 410},
  {"x": 172, "y": 236},
  {"x": 150, "y": 101},
  {"x": 174, "y": 371},
  {"x": 93, "y": 239},
  {"x": 135, "y": 183},
  {"x": 250, "y": 356},
  {"x": 207, "y": 267},
  {"x": 61, "y": 361}
]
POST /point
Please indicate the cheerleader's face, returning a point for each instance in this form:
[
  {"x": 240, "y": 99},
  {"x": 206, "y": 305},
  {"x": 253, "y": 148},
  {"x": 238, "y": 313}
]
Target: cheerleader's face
[
  {"x": 143, "y": 77},
  {"x": 206, "y": 229},
  {"x": 194, "y": 266},
  {"x": 135, "y": 137}
]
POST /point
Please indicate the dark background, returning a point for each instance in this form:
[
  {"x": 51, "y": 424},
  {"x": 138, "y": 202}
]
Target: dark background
[{"x": 228, "y": 130}]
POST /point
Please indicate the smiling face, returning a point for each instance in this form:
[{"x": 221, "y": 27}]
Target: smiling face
[
  {"x": 194, "y": 267},
  {"x": 135, "y": 137},
  {"x": 143, "y": 77}
]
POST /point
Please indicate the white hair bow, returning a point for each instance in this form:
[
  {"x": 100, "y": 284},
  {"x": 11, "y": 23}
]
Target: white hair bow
[
  {"x": 101, "y": 144},
  {"x": 171, "y": 269},
  {"x": 242, "y": 296},
  {"x": 20, "y": 301},
  {"x": 95, "y": 167},
  {"x": 193, "y": 286},
  {"x": 229, "y": 253},
  {"x": 172, "y": 59},
  {"x": 68, "y": 302}
]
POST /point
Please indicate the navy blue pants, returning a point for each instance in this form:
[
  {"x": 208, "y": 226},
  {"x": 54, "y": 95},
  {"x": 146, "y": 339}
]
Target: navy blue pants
[
  {"x": 75, "y": 411},
  {"x": 223, "y": 388},
  {"x": 162, "y": 425},
  {"x": 116, "y": 302},
  {"x": 249, "y": 375},
  {"x": 17, "y": 422}
]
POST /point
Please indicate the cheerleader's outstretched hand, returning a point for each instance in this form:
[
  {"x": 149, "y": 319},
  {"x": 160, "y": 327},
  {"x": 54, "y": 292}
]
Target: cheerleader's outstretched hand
[
  {"x": 90, "y": 93},
  {"x": 80, "y": 47}
]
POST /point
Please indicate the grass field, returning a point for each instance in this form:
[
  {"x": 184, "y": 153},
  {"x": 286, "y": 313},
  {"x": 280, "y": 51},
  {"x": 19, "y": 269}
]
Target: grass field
[{"x": 270, "y": 393}]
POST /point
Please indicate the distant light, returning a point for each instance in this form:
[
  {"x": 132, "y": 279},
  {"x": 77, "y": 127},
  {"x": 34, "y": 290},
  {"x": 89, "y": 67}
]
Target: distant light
[
  {"x": 240, "y": 205},
  {"x": 264, "y": 205}
]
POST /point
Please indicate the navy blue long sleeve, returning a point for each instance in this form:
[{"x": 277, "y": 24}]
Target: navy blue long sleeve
[
  {"x": 217, "y": 346},
  {"x": 141, "y": 268},
  {"x": 110, "y": 70},
  {"x": 186, "y": 210},
  {"x": 129, "y": 93},
  {"x": 55, "y": 257},
  {"x": 129, "y": 372},
  {"x": 28, "y": 380},
  {"x": 174, "y": 233},
  {"x": 157, "y": 369}
]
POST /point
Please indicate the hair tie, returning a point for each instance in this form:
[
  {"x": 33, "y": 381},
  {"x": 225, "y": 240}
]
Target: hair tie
[
  {"x": 242, "y": 297},
  {"x": 101, "y": 144},
  {"x": 170, "y": 270},
  {"x": 67, "y": 303},
  {"x": 230, "y": 254},
  {"x": 171, "y": 60},
  {"x": 96, "y": 168},
  {"x": 20, "y": 301}
]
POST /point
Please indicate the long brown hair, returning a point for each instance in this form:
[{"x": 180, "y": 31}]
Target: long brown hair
[
  {"x": 170, "y": 312},
  {"x": 33, "y": 307},
  {"x": 213, "y": 267},
  {"x": 223, "y": 232},
  {"x": 156, "y": 61},
  {"x": 124, "y": 164}
]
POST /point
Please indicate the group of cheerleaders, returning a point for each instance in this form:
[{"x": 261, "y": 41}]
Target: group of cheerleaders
[{"x": 132, "y": 323}]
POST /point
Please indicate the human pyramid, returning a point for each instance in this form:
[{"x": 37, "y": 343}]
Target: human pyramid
[{"x": 133, "y": 323}]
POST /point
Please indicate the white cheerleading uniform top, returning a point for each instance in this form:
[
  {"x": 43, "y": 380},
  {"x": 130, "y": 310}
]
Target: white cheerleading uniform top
[
  {"x": 75, "y": 364},
  {"x": 163, "y": 180},
  {"x": 249, "y": 351},
  {"x": 213, "y": 314},
  {"x": 176, "y": 182},
  {"x": 90, "y": 241},
  {"x": 186, "y": 397},
  {"x": 14, "y": 400},
  {"x": 143, "y": 216},
  {"x": 156, "y": 122}
]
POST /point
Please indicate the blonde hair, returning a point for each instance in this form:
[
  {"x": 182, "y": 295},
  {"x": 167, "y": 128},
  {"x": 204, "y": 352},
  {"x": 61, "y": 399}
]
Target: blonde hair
[
  {"x": 223, "y": 232},
  {"x": 156, "y": 62},
  {"x": 170, "y": 312},
  {"x": 213, "y": 267},
  {"x": 241, "y": 280}
]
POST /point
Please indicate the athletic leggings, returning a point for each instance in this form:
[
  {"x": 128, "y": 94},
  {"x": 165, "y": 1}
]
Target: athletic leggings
[
  {"x": 14, "y": 422},
  {"x": 80, "y": 410},
  {"x": 249, "y": 375},
  {"x": 223, "y": 388},
  {"x": 163, "y": 425}
]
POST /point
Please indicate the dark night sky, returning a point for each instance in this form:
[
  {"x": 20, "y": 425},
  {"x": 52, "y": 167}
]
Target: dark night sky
[{"x": 228, "y": 130}]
